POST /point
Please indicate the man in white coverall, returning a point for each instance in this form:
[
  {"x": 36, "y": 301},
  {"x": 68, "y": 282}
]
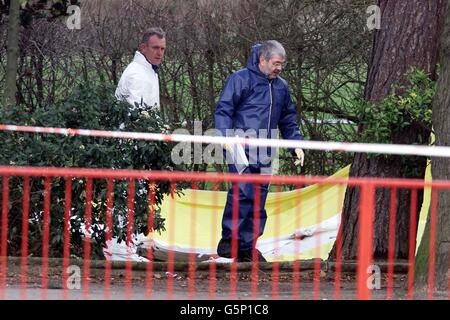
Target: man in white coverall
[{"x": 139, "y": 83}]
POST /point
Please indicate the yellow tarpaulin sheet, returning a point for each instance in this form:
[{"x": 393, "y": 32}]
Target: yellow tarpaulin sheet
[{"x": 193, "y": 222}]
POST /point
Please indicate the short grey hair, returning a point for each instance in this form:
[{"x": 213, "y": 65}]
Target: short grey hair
[
  {"x": 271, "y": 48},
  {"x": 155, "y": 31}
]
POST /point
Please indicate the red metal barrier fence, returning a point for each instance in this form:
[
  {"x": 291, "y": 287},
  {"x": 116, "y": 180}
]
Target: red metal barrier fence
[{"x": 367, "y": 188}]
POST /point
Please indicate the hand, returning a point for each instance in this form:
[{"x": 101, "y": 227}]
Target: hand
[
  {"x": 300, "y": 157},
  {"x": 228, "y": 147}
]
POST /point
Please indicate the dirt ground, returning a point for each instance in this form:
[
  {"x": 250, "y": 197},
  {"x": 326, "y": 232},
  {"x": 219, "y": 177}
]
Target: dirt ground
[{"x": 179, "y": 286}]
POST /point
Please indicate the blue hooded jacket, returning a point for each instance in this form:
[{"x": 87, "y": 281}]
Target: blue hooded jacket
[{"x": 251, "y": 101}]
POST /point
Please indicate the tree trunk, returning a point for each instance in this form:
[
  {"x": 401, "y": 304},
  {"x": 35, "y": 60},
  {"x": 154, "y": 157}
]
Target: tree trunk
[
  {"x": 408, "y": 37},
  {"x": 12, "y": 53},
  {"x": 114, "y": 77},
  {"x": 441, "y": 171},
  {"x": 193, "y": 82},
  {"x": 210, "y": 59},
  {"x": 39, "y": 69}
]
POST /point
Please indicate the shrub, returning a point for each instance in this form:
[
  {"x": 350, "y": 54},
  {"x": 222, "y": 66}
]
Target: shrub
[
  {"x": 407, "y": 104},
  {"x": 90, "y": 107}
]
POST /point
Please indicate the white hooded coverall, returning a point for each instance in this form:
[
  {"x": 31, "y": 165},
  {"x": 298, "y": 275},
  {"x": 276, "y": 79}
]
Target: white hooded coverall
[{"x": 139, "y": 83}]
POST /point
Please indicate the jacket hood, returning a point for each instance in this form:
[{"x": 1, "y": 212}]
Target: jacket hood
[
  {"x": 140, "y": 58},
  {"x": 253, "y": 61}
]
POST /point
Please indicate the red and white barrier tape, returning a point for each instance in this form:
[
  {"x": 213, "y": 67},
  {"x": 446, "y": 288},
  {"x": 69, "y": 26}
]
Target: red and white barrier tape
[{"x": 397, "y": 149}]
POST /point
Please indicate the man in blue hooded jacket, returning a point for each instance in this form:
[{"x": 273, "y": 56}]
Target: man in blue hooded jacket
[{"x": 256, "y": 103}]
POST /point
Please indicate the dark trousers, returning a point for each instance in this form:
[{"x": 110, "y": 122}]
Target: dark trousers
[{"x": 246, "y": 238}]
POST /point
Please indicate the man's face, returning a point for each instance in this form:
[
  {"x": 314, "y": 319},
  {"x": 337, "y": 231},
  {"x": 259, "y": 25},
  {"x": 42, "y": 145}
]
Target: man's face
[
  {"x": 272, "y": 68},
  {"x": 154, "y": 49}
]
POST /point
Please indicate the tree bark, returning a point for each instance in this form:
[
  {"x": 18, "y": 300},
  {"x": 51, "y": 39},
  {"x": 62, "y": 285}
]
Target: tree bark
[
  {"x": 408, "y": 37},
  {"x": 440, "y": 171},
  {"x": 12, "y": 53}
]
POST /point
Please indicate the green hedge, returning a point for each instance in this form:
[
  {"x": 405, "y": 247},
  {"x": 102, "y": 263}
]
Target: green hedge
[{"x": 89, "y": 108}]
